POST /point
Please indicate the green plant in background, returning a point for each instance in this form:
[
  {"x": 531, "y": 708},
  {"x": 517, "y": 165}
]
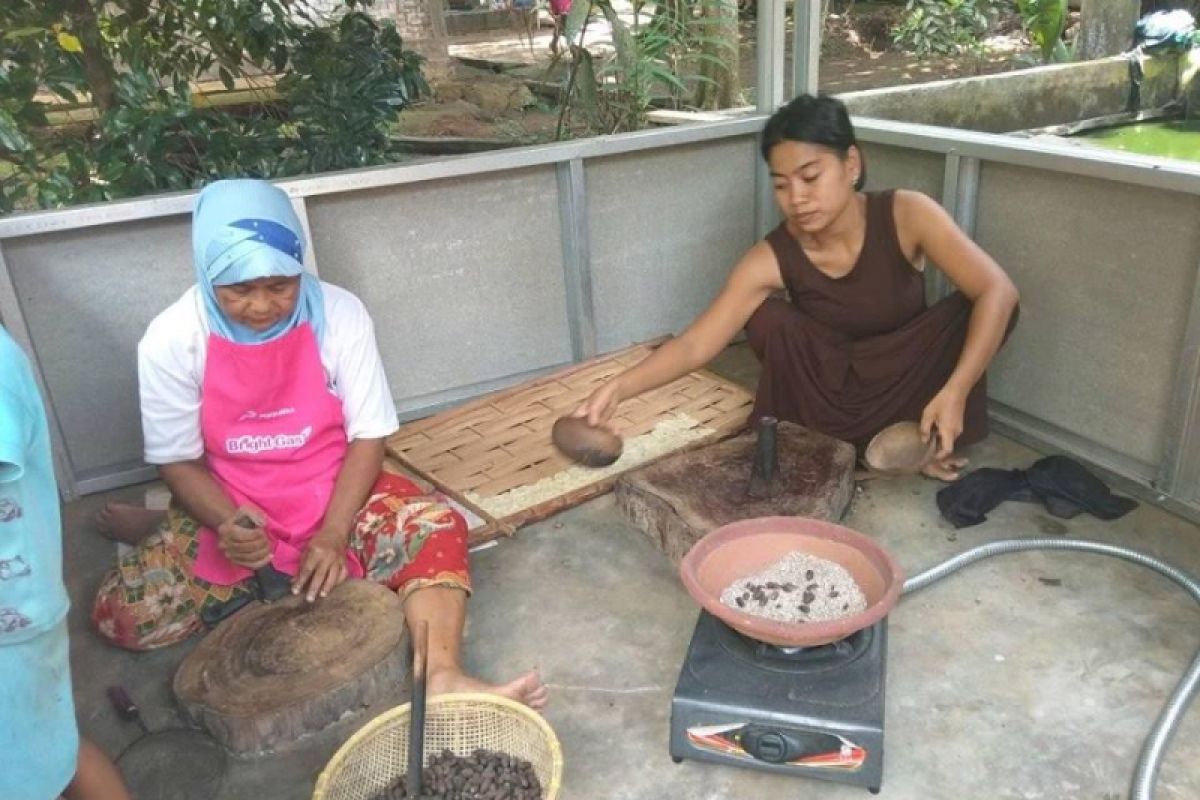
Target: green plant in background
[
  {"x": 1044, "y": 22},
  {"x": 153, "y": 138},
  {"x": 676, "y": 58},
  {"x": 942, "y": 27},
  {"x": 138, "y": 64},
  {"x": 345, "y": 85}
]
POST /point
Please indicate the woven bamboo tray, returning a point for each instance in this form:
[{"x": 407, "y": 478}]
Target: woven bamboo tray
[
  {"x": 373, "y": 758},
  {"x": 502, "y": 441}
]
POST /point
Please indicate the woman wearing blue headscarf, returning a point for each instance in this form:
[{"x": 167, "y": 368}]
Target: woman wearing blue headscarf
[{"x": 265, "y": 406}]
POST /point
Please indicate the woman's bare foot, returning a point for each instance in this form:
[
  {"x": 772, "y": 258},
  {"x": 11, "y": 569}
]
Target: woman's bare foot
[
  {"x": 945, "y": 469},
  {"x": 527, "y": 688},
  {"x": 128, "y": 523}
]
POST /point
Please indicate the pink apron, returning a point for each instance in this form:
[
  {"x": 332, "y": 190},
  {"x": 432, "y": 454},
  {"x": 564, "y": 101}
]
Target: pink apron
[{"x": 275, "y": 440}]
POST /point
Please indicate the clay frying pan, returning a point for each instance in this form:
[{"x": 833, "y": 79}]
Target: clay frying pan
[{"x": 171, "y": 764}]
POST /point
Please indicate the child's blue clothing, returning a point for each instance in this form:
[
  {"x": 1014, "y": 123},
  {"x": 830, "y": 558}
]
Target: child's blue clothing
[
  {"x": 39, "y": 740},
  {"x": 32, "y": 595}
]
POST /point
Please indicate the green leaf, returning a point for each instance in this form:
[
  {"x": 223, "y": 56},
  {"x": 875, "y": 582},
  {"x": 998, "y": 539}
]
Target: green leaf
[
  {"x": 626, "y": 46},
  {"x": 62, "y": 90},
  {"x": 576, "y": 17},
  {"x": 585, "y": 86},
  {"x": 1044, "y": 21},
  {"x": 11, "y": 136},
  {"x": 23, "y": 33},
  {"x": 69, "y": 42}
]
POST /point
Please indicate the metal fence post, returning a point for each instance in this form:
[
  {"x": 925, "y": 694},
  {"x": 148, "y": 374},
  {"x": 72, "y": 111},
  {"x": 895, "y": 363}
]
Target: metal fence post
[{"x": 577, "y": 266}]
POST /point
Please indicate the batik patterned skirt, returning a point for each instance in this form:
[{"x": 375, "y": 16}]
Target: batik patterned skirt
[{"x": 403, "y": 539}]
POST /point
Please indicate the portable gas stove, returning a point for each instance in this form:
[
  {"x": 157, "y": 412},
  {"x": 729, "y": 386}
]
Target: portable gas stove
[{"x": 815, "y": 712}]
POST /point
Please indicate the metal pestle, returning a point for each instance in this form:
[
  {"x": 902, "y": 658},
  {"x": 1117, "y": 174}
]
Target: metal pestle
[
  {"x": 766, "y": 461},
  {"x": 416, "y": 716},
  {"x": 272, "y": 584}
]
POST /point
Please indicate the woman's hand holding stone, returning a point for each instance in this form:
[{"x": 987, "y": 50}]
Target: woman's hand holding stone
[
  {"x": 600, "y": 406},
  {"x": 323, "y": 566},
  {"x": 246, "y": 546}
]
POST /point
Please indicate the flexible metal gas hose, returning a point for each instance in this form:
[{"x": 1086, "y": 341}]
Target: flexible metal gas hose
[{"x": 1155, "y": 746}]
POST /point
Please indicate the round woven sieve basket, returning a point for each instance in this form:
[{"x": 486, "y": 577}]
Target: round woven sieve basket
[{"x": 372, "y": 759}]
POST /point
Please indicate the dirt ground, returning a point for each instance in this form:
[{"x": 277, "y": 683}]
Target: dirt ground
[{"x": 857, "y": 53}]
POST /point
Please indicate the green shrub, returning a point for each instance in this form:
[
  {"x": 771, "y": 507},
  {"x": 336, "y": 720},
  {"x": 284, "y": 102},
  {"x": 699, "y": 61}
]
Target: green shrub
[
  {"x": 942, "y": 27},
  {"x": 138, "y": 63}
]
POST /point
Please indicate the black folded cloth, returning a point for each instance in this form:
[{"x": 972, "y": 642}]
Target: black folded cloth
[{"x": 1062, "y": 484}]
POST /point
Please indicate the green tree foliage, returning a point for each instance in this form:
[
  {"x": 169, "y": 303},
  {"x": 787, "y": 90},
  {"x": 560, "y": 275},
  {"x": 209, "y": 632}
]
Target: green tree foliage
[
  {"x": 684, "y": 55},
  {"x": 1044, "y": 21},
  {"x": 942, "y": 27},
  {"x": 138, "y": 63}
]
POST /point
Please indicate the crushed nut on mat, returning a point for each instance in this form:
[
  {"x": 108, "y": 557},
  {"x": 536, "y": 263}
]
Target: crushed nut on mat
[{"x": 668, "y": 436}]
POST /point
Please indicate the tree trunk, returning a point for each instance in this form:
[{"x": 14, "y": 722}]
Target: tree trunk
[
  {"x": 1105, "y": 28},
  {"x": 101, "y": 77},
  {"x": 271, "y": 675},
  {"x": 679, "y": 499},
  {"x": 717, "y": 25}
]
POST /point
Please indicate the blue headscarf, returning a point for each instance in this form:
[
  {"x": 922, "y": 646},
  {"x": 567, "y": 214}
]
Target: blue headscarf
[{"x": 247, "y": 229}]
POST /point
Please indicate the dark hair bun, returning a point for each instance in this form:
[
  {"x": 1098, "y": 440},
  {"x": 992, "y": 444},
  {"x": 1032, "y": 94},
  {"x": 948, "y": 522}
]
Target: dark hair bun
[{"x": 820, "y": 120}]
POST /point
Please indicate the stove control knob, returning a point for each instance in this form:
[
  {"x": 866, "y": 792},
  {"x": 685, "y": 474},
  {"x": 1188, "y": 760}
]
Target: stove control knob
[
  {"x": 771, "y": 747},
  {"x": 786, "y": 745}
]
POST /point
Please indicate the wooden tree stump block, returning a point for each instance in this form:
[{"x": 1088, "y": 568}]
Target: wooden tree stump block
[
  {"x": 682, "y": 497},
  {"x": 271, "y": 675}
]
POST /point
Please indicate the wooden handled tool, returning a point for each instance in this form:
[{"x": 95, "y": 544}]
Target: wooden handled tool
[
  {"x": 272, "y": 584},
  {"x": 416, "y": 716}
]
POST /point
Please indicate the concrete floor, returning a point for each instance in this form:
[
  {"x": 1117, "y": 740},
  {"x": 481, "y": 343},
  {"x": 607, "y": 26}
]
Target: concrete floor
[{"x": 999, "y": 685}]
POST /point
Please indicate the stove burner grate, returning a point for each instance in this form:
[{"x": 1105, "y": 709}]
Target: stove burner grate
[{"x": 798, "y": 659}]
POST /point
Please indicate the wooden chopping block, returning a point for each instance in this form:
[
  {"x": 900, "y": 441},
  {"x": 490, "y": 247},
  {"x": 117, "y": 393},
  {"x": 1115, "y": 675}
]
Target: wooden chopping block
[
  {"x": 678, "y": 499},
  {"x": 271, "y": 675}
]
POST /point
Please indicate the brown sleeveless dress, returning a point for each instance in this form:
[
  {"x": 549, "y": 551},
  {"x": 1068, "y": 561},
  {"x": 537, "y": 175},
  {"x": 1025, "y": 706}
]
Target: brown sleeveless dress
[{"x": 849, "y": 356}]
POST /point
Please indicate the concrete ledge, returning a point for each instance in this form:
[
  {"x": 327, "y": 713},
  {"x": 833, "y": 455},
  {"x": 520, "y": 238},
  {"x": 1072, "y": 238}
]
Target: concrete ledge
[
  {"x": 459, "y": 23},
  {"x": 1031, "y": 98}
]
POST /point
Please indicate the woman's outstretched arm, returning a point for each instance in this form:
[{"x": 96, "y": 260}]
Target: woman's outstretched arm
[{"x": 754, "y": 277}]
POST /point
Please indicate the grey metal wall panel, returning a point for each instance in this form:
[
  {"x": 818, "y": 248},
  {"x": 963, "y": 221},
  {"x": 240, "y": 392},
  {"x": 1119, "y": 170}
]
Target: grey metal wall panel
[
  {"x": 1106, "y": 273},
  {"x": 87, "y": 297},
  {"x": 665, "y": 229},
  {"x": 897, "y": 168},
  {"x": 462, "y": 277}
]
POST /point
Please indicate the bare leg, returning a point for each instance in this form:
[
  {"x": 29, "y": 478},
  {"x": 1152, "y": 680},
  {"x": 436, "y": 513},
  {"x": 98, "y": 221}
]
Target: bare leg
[
  {"x": 560, "y": 24},
  {"x": 96, "y": 777},
  {"x": 128, "y": 523},
  {"x": 445, "y": 610}
]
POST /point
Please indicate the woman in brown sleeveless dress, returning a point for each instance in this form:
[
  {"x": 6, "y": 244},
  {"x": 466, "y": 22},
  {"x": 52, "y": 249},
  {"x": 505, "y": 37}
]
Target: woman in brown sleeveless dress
[{"x": 854, "y": 348}]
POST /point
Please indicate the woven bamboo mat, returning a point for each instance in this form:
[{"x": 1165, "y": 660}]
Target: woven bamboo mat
[{"x": 502, "y": 442}]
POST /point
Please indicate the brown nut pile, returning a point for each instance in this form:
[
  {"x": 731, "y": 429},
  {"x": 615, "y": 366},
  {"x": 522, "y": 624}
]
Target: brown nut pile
[{"x": 483, "y": 775}]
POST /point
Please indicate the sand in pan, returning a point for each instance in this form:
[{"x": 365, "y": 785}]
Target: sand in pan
[{"x": 797, "y": 588}]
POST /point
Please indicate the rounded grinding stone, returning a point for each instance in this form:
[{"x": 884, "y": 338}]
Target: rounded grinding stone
[{"x": 585, "y": 444}]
